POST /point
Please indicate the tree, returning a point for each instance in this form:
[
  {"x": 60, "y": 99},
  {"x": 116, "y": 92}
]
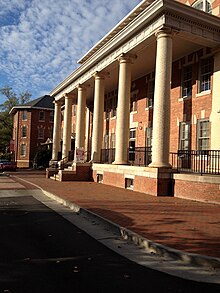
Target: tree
[{"x": 6, "y": 120}]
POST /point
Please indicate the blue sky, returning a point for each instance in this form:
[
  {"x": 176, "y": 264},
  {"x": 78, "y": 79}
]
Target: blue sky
[{"x": 41, "y": 40}]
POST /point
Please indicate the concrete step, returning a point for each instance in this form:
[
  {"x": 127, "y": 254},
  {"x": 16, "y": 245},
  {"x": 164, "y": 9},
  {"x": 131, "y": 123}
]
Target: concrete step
[{"x": 55, "y": 177}]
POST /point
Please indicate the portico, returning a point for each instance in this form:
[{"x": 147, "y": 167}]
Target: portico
[{"x": 146, "y": 43}]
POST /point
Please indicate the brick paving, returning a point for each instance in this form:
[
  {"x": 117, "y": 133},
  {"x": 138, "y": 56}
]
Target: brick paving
[{"x": 182, "y": 224}]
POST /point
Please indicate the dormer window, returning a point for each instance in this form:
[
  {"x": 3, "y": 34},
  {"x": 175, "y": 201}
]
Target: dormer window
[{"x": 203, "y": 5}]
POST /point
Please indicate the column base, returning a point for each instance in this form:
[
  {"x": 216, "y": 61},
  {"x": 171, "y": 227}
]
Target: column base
[
  {"x": 160, "y": 165},
  {"x": 120, "y": 163}
]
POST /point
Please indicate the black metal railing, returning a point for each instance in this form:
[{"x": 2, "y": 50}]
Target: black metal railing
[
  {"x": 107, "y": 156},
  {"x": 194, "y": 161},
  {"x": 197, "y": 161},
  {"x": 139, "y": 156}
]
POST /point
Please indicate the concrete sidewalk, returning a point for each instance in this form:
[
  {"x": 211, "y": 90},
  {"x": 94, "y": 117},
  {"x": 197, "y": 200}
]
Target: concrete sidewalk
[{"x": 185, "y": 225}]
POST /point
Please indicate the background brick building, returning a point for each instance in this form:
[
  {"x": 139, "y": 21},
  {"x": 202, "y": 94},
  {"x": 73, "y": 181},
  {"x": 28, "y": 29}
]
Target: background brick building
[{"x": 33, "y": 126}]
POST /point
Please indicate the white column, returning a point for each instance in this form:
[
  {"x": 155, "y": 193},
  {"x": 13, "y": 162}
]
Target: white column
[
  {"x": 161, "y": 118},
  {"x": 80, "y": 117},
  {"x": 215, "y": 115},
  {"x": 87, "y": 141},
  {"x": 97, "y": 133},
  {"x": 56, "y": 130},
  {"x": 123, "y": 111},
  {"x": 67, "y": 126}
]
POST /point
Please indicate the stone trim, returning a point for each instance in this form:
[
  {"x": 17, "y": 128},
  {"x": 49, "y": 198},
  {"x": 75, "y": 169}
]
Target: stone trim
[
  {"x": 132, "y": 170},
  {"x": 197, "y": 178}
]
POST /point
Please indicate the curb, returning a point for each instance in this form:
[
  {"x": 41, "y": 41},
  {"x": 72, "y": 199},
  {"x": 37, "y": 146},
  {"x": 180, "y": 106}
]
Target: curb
[{"x": 151, "y": 247}]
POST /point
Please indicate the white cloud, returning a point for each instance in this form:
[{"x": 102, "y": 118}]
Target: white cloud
[{"x": 42, "y": 46}]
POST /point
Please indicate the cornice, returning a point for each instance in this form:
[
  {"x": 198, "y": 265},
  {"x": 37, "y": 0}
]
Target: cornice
[
  {"x": 122, "y": 24},
  {"x": 156, "y": 15}
]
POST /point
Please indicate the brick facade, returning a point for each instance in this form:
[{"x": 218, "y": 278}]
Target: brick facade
[
  {"x": 30, "y": 131},
  {"x": 189, "y": 99}
]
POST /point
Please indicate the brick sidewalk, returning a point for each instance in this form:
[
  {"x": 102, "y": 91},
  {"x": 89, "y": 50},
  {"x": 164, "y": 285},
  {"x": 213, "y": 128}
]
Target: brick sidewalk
[{"x": 182, "y": 224}]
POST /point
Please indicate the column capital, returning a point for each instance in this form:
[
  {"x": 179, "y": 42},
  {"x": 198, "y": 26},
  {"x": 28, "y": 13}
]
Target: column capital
[
  {"x": 164, "y": 32},
  {"x": 69, "y": 96},
  {"x": 126, "y": 58},
  {"x": 101, "y": 74},
  {"x": 82, "y": 87},
  {"x": 57, "y": 102}
]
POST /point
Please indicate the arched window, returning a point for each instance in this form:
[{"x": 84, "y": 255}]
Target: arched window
[{"x": 203, "y": 5}]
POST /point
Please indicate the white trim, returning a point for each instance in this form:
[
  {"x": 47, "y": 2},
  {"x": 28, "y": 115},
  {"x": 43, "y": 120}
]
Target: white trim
[
  {"x": 160, "y": 13},
  {"x": 204, "y": 93}
]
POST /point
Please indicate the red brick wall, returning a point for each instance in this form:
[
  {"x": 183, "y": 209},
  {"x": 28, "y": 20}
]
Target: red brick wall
[
  {"x": 189, "y": 109},
  {"x": 196, "y": 190},
  {"x": 114, "y": 179},
  {"x": 23, "y": 140},
  {"x": 145, "y": 185},
  {"x": 32, "y": 141}
]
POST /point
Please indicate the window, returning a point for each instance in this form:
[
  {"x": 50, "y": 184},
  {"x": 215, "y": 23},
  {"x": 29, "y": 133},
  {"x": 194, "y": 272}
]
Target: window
[
  {"x": 111, "y": 104},
  {"x": 41, "y": 132},
  {"x": 106, "y": 141},
  {"x": 132, "y": 134},
  {"x": 51, "y": 116},
  {"x": 42, "y": 116},
  {"x": 107, "y": 108},
  {"x": 100, "y": 178},
  {"x": 129, "y": 183},
  {"x": 50, "y": 130},
  {"x": 112, "y": 141},
  {"x": 24, "y": 131},
  {"x": 205, "y": 75},
  {"x": 203, "y": 134},
  {"x": 114, "y": 106},
  {"x": 24, "y": 115},
  {"x": 150, "y": 93},
  {"x": 187, "y": 81},
  {"x": 184, "y": 136},
  {"x": 74, "y": 110},
  {"x": 203, "y": 5},
  {"x": 23, "y": 150},
  {"x": 149, "y": 135},
  {"x": 133, "y": 102}
]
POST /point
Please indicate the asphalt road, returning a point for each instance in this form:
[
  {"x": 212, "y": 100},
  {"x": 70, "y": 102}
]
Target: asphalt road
[{"x": 41, "y": 252}]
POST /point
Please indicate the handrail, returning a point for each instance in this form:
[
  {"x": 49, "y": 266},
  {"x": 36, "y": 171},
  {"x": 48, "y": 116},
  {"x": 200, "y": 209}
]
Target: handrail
[{"x": 62, "y": 162}]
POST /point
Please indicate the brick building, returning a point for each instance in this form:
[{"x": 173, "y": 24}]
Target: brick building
[
  {"x": 148, "y": 100},
  {"x": 33, "y": 125}
]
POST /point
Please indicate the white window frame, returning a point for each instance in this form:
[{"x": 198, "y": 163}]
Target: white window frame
[
  {"x": 23, "y": 150},
  {"x": 133, "y": 101},
  {"x": 24, "y": 115},
  {"x": 149, "y": 137},
  {"x": 41, "y": 133},
  {"x": 201, "y": 138},
  {"x": 51, "y": 116},
  {"x": 184, "y": 136},
  {"x": 202, "y": 74},
  {"x": 42, "y": 118},
  {"x": 185, "y": 81},
  {"x": 203, "y": 5},
  {"x": 23, "y": 131}
]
